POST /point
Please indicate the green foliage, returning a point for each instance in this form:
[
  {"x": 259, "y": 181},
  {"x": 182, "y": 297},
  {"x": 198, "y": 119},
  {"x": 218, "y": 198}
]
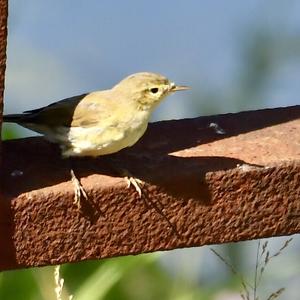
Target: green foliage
[
  {"x": 9, "y": 132},
  {"x": 128, "y": 278},
  {"x": 21, "y": 284}
]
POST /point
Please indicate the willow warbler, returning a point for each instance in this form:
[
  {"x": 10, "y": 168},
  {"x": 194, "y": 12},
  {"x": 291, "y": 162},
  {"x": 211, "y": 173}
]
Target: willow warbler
[{"x": 100, "y": 122}]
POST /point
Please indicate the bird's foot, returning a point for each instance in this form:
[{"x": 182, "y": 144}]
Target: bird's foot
[
  {"x": 79, "y": 191},
  {"x": 132, "y": 181},
  {"x": 136, "y": 183}
]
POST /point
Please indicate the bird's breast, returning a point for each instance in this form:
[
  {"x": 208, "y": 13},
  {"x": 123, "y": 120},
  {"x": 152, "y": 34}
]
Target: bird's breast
[{"x": 109, "y": 136}]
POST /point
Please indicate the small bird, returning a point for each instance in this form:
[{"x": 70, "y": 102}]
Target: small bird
[{"x": 100, "y": 122}]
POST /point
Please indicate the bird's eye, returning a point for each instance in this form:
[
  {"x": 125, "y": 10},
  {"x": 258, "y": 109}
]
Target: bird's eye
[{"x": 154, "y": 90}]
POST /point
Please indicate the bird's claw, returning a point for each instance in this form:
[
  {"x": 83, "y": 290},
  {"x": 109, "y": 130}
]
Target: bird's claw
[
  {"x": 79, "y": 190},
  {"x": 136, "y": 183}
]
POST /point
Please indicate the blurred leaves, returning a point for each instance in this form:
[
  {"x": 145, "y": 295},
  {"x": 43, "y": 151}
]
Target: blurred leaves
[
  {"x": 9, "y": 132},
  {"x": 128, "y": 278}
]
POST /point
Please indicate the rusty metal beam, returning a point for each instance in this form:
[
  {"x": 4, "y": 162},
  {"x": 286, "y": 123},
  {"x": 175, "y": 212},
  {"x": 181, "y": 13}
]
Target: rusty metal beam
[
  {"x": 3, "y": 43},
  {"x": 208, "y": 180},
  {"x": 5, "y": 254}
]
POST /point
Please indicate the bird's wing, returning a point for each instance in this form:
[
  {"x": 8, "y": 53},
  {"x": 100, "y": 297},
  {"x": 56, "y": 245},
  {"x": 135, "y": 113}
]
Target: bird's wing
[
  {"x": 64, "y": 113},
  {"x": 79, "y": 111},
  {"x": 95, "y": 109},
  {"x": 55, "y": 114}
]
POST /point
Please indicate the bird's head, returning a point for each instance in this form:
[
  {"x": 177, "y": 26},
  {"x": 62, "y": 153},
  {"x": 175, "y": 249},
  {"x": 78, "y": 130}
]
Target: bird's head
[{"x": 147, "y": 89}]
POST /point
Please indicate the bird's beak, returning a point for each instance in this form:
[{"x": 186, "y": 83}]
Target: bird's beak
[{"x": 176, "y": 88}]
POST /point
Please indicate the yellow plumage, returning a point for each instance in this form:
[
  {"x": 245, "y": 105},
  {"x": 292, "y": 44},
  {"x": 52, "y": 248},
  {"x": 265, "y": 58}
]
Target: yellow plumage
[{"x": 100, "y": 122}]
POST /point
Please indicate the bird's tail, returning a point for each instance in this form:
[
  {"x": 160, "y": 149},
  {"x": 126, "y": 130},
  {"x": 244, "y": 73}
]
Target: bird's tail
[{"x": 13, "y": 118}]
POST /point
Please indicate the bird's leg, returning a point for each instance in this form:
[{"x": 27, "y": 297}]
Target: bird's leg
[
  {"x": 78, "y": 190},
  {"x": 137, "y": 184},
  {"x": 131, "y": 180}
]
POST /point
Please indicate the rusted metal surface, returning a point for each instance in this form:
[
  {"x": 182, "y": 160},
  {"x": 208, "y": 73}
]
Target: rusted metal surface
[
  {"x": 208, "y": 180},
  {"x": 5, "y": 253},
  {"x": 3, "y": 41}
]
